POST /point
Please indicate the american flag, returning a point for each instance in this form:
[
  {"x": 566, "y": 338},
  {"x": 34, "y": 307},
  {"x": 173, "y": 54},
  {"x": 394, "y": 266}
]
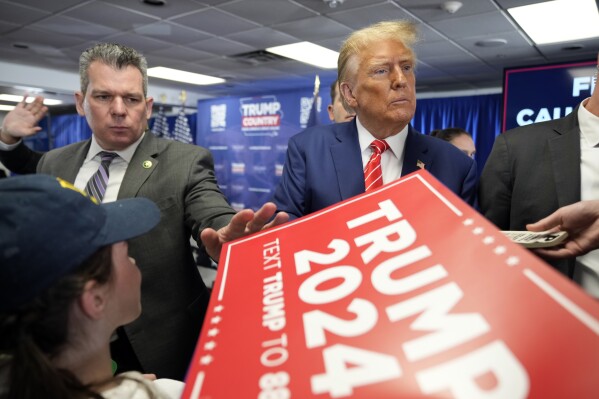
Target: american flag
[
  {"x": 182, "y": 131},
  {"x": 313, "y": 119},
  {"x": 160, "y": 127}
]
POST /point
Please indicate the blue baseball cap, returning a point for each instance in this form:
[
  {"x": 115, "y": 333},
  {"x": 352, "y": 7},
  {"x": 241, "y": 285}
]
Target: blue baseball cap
[{"x": 48, "y": 228}]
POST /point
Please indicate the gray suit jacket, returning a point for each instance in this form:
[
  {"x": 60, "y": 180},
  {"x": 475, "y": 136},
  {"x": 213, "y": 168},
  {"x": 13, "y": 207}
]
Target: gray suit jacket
[
  {"x": 174, "y": 298},
  {"x": 531, "y": 172}
]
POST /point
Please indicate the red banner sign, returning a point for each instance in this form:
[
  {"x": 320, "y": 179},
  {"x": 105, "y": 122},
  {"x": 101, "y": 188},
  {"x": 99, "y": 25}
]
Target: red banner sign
[{"x": 403, "y": 292}]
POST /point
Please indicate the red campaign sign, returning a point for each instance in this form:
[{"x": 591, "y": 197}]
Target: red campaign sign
[{"x": 403, "y": 292}]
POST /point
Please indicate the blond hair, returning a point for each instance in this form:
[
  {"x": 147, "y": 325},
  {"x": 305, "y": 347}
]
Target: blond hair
[{"x": 402, "y": 31}]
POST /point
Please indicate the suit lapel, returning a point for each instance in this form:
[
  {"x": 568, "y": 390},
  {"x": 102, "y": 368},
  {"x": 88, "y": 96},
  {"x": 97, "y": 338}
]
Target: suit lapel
[
  {"x": 415, "y": 153},
  {"x": 65, "y": 162},
  {"x": 565, "y": 158},
  {"x": 77, "y": 153},
  {"x": 142, "y": 165},
  {"x": 347, "y": 159}
]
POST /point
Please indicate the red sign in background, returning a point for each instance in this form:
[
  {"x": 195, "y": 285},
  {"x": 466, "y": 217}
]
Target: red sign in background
[{"x": 403, "y": 292}]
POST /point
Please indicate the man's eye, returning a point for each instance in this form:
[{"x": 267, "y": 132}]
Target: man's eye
[
  {"x": 408, "y": 68},
  {"x": 380, "y": 71},
  {"x": 102, "y": 97},
  {"x": 133, "y": 100}
]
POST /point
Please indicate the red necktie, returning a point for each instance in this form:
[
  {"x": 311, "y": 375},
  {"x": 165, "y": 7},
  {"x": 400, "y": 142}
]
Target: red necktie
[{"x": 373, "y": 174}]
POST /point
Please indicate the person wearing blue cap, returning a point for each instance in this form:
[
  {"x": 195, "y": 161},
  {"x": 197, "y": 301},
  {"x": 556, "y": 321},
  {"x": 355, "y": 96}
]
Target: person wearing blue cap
[{"x": 66, "y": 284}]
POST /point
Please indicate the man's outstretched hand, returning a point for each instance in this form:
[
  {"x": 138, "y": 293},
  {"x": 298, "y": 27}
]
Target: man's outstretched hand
[{"x": 244, "y": 222}]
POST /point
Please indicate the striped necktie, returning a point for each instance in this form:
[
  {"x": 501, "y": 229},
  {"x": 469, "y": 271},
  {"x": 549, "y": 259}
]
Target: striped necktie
[
  {"x": 96, "y": 186},
  {"x": 373, "y": 174}
]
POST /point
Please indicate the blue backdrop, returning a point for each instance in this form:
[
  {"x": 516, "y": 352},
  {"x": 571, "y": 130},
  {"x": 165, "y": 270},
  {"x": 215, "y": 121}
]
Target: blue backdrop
[
  {"x": 479, "y": 115},
  {"x": 248, "y": 139}
]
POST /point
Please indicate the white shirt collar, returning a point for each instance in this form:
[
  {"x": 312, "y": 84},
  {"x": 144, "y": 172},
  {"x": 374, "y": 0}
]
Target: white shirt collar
[{"x": 397, "y": 142}]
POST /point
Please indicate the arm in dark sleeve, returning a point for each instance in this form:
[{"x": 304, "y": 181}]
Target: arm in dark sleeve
[
  {"x": 495, "y": 191},
  {"x": 290, "y": 192},
  {"x": 21, "y": 160}
]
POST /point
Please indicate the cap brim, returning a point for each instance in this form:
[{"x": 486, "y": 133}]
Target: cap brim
[{"x": 128, "y": 218}]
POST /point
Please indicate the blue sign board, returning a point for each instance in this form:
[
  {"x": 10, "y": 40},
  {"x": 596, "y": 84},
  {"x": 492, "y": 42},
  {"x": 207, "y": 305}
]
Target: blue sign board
[
  {"x": 248, "y": 139},
  {"x": 536, "y": 94}
]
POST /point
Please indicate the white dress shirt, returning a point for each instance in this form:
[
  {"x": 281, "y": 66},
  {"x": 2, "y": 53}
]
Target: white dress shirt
[
  {"x": 392, "y": 159},
  {"x": 116, "y": 170},
  {"x": 586, "y": 272}
]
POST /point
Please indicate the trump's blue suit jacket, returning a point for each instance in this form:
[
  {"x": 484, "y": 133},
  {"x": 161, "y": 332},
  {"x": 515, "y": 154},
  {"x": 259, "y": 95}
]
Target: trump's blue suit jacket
[{"x": 324, "y": 166}]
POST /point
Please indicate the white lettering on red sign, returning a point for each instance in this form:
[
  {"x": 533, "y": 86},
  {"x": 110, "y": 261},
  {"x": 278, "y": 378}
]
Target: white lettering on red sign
[
  {"x": 273, "y": 301},
  {"x": 275, "y": 353},
  {"x": 432, "y": 309}
]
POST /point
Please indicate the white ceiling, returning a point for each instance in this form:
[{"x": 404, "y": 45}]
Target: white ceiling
[{"x": 203, "y": 36}]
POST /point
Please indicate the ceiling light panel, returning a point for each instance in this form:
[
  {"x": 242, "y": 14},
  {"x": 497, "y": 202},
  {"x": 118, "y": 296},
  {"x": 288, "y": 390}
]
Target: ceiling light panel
[
  {"x": 558, "y": 21},
  {"x": 308, "y": 53},
  {"x": 183, "y": 76}
]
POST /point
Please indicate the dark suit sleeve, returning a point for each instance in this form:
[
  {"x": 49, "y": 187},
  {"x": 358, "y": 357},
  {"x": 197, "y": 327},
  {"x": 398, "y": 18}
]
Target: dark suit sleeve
[
  {"x": 495, "y": 193},
  {"x": 290, "y": 192},
  {"x": 21, "y": 160},
  {"x": 469, "y": 188}
]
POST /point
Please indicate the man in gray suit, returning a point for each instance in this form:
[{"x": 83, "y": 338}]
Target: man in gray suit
[
  {"x": 534, "y": 170},
  {"x": 178, "y": 177}
]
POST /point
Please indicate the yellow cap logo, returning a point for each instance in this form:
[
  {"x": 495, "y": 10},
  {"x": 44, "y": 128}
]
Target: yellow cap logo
[{"x": 66, "y": 184}]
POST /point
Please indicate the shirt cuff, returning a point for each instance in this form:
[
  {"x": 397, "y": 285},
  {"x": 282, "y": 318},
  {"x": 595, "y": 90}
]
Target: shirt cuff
[{"x": 9, "y": 147}]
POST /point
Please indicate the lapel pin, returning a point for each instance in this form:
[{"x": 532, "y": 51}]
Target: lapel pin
[
  {"x": 147, "y": 164},
  {"x": 420, "y": 164}
]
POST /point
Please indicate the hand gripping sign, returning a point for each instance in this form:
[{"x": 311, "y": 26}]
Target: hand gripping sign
[{"x": 402, "y": 292}]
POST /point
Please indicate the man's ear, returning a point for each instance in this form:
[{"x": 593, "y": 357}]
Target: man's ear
[
  {"x": 149, "y": 105},
  {"x": 347, "y": 95},
  {"x": 79, "y": 99},
  {"x": 330, "y": 111},
  {"x": 93, "y": 300}
]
